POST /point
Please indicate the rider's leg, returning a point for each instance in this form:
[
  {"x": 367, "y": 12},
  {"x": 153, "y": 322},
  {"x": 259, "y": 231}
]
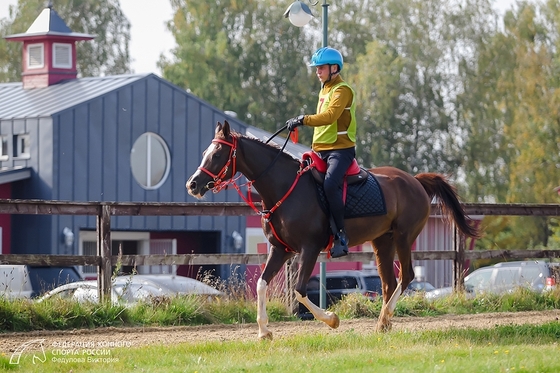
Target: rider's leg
[{"x": 338, "y": 162}]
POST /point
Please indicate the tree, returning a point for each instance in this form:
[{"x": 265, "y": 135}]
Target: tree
[
  {"x": 107, "y": 54},
  {"x": 511, "y": 110},
  {"x": 406, "y": 82},
  {"x": 241, "y": 56}
]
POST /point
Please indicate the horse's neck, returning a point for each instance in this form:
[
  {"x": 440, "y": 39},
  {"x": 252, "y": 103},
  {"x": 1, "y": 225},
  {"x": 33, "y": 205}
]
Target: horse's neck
[{"x": 271, "y": 180}]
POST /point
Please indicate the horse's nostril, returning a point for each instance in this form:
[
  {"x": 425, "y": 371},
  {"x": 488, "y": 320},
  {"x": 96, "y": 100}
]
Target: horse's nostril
[{"x": 191, "y": 185}]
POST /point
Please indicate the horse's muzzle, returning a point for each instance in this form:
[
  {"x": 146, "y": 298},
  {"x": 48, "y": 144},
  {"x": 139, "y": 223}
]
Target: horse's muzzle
[{"x": 194, "y": 189}]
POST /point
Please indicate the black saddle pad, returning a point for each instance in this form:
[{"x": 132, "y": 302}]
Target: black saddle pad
[{"x": 363, "y": 199}]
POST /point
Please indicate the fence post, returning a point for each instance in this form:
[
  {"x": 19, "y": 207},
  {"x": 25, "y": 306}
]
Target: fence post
[
  {"x": 291, "y": 268},
  {"x": 104, "y": 251},
  {"x": 459, "y": 262}
]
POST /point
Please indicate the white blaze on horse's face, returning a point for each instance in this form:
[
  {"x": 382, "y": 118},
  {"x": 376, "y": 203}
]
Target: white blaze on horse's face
[{"x": 205, "y": 160}]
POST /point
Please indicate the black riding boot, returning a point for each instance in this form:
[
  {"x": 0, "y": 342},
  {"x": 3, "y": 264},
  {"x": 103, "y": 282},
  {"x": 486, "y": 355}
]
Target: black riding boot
[{"x": 340, "y": 247}]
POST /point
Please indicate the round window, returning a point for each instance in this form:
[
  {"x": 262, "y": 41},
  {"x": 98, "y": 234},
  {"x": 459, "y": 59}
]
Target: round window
[{"x": 150, "y": 160}]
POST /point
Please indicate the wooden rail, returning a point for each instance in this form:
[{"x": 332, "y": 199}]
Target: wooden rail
[{"x": 104, "y": 260}]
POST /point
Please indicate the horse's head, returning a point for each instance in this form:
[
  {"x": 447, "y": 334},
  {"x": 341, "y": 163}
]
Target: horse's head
[{"x": 217, "y": 165}]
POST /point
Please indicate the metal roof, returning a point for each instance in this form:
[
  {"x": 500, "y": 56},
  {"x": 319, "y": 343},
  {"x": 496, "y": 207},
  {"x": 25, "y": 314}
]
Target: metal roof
[
  {"x": 8, "y": 175},
  {"x": 16, "y": 102},
  {"x": 19, "y": 103},
  {"x": 49, "y": 23}
]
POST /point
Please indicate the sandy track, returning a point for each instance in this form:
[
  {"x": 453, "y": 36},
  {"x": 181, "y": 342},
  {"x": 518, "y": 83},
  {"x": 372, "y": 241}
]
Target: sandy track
[{"x": 134, "y": 337}]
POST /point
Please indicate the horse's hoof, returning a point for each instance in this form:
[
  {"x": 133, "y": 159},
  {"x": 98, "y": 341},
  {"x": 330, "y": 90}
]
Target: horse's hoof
[
  {"x": 334, "y": 321},
  {"x": 266, "y": 336},
  {"x": 384, "y": 327}
]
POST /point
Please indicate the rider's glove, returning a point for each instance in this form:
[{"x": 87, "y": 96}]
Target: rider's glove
[{"x": 295, "y": 122}]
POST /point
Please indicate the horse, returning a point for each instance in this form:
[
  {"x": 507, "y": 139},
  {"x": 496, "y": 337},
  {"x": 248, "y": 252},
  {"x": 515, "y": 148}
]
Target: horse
[{"x": 295, "y": 224}]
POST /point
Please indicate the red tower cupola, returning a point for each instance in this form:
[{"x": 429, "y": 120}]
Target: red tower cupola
[{"x": 49, "y": 50}]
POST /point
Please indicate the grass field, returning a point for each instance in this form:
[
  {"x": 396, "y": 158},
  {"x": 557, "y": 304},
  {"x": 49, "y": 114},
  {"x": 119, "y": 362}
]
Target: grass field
[{"x": 499, "y": 349}]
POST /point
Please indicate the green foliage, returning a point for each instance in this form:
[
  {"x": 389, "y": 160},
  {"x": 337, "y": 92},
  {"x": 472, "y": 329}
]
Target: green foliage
[
  {"x": 355, "y": 305},
  {"x": 238, "y": 56},
  {"x": 107, "y": 54},
  {"x": 187, "y": 310},
  {"x": 62, "y": 314}
]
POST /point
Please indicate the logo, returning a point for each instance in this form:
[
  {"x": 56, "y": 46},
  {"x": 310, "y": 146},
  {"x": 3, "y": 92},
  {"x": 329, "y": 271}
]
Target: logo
[{"x": 38, "y": 354}]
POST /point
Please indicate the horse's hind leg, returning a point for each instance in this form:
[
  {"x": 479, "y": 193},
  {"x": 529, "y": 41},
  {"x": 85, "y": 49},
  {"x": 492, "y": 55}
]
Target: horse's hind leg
[
  {"x": 402, "y": 243},
  {"x": 276, "y": 259},
  {"x": 385, "y": 254}
]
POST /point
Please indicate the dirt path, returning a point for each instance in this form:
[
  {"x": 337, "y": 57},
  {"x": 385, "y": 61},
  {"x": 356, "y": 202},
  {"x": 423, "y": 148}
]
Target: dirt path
[{"x": 134, "y": 337}]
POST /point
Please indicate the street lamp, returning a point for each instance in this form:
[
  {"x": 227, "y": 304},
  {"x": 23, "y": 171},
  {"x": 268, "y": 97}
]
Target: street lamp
[{"x": 299, "y": 15}]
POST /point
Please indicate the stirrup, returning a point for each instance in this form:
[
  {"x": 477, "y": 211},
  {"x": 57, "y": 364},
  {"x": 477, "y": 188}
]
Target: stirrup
[{"x": 340, "y": 246}]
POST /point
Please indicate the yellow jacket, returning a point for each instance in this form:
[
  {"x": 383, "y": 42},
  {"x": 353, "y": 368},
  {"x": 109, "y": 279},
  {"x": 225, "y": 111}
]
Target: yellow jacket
[{"x": 336, "y": 113}]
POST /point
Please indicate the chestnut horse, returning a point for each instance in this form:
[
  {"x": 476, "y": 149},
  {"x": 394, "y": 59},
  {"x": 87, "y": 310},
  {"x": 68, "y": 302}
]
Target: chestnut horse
[{"x": 294, "y": 222}]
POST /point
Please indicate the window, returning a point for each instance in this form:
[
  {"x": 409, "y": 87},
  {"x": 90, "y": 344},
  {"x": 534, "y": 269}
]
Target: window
[
  {"x": 89, "y": 248},
  {"x": 4, "y": 141},
  {"x": 22, "y": 146},
  {"x": 62, "y": 55},
  {"x": 346, "y": 282},
  {"x": 35, "y": 56},
  {"x": 478, "y": 280},
  {"x": 507, "y": 277},
  {"x": 150, "y": 160}
]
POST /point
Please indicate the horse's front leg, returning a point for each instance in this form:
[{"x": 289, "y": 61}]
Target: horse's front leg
[
  {"x": 307, "y": 263},
  {"x": 276, "y": 259}
]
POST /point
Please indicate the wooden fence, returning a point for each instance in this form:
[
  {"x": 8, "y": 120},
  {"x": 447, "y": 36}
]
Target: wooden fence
[{"x": 104, "y": 260}]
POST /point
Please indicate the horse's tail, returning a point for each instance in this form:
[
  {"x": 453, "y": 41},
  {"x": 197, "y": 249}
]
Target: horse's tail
[{"x": 448, "y": 200}]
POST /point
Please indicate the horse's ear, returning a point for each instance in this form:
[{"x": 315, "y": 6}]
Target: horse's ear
[
  {"x": 218, "y": 128},
  {"x": 226, "y": 130}
]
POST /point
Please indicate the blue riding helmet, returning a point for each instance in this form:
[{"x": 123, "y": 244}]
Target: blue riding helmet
[{"x": 327, "y": 56}]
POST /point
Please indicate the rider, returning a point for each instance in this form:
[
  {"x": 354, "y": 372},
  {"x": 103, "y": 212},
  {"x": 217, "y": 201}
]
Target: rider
[{"x": 334, "y": 134}]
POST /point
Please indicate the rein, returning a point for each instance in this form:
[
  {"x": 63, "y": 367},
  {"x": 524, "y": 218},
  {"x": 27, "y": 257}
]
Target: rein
[
  {"x": 277, "y": 155},
  {"x": 218, "y": 183}
]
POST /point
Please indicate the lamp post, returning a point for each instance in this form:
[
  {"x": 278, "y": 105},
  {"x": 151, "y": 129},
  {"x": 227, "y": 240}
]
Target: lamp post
[{"x": 299, "y": 15}]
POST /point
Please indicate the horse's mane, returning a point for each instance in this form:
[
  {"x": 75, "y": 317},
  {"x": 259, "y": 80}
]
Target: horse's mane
[{"x": 263, "y": 144}]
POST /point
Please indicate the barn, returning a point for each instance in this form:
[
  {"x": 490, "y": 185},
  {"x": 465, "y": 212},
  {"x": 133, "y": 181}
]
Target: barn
[
  {"x": 114, "y": 138},
  {"x": 125, "y": 138}
]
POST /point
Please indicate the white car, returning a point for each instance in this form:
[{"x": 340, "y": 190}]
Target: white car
[
  {"x": 131, "y": 289},
  {"x": 505, "y": 277}
]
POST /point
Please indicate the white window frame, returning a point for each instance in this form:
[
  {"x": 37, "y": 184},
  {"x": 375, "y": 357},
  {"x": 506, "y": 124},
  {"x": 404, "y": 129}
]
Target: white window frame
[
  {"x": 67, "y": 65},
  {"x": 4, "y": 150},
  {"x": 22, "y": 146},
  {"x": 151, "y": 137},
  {"x": 42, "y": 47},
  {"x": 91, "y": 236}
]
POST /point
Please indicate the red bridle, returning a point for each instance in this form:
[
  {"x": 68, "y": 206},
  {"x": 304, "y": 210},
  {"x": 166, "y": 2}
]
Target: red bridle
[{"x": 218, "y": 182}]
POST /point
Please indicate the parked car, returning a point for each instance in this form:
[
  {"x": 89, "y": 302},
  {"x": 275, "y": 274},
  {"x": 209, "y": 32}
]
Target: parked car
[
  {"x": 339, "y": 284},
  {"x": 418, "y": 286},
  {"x": 506, "y": 277},
  {"x": 129, "y": 290},
  {"x": 22, "y": 281}
]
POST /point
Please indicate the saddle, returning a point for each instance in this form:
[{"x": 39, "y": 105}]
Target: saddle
[
  {"x": 354, "y": 175},
  {"x": 361, "y": 192}
]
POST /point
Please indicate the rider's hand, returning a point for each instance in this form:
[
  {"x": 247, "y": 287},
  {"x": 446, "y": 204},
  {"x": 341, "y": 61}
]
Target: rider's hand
[{"x": 295, "y": 122}]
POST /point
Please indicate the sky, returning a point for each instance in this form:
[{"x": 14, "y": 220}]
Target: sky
[{"x": 149, "y": 36}]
